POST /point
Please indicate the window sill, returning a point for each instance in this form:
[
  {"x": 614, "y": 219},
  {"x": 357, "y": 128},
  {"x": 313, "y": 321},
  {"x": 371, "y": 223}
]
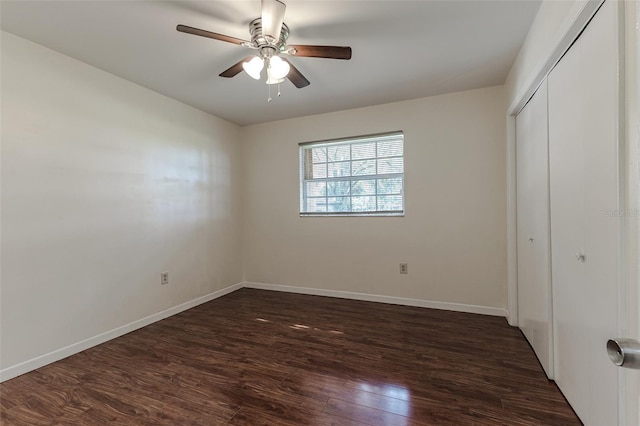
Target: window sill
[{"x": 375, "y": 214}]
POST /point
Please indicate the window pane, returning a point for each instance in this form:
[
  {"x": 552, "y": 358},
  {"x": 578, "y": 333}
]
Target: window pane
[
  {"x": 340, "y": 169},
  {"x": 364, "y": 187},
  {"x": 319, "y": 155},
  {"x": 390, "y": 186},
  {"x": 363, "y": 174},
  {"x": 363, "y": 204},
  {"x": 339, "y": 152},
  {"x": 316, "y": 205},
  {"x": 338, "y": 188},
  {"x": 316, "y": 189},
  {"x": 320, "y": 171},
  {"x": 364, "y": 167},
  {"x": 363, "y": 150},
  {"x": 339, "y": 204},
  {"x": 390, "y": 165},
  {"x": 390, "y": 202},
  {"x": 390, "y": 148}
]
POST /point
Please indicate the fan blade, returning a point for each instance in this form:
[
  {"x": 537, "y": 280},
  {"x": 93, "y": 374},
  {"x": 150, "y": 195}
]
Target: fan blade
[
  {"x": 235, "y": 69},
  {"x": 209, "y": 34},
  {"x": 296, "y": 77},
  {"x": 272, "y": 18},
  {"x": 331, "y": 52}
]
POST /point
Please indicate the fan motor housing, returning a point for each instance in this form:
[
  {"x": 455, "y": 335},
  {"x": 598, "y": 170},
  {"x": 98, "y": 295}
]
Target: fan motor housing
[{"x": 260, "y": 41}]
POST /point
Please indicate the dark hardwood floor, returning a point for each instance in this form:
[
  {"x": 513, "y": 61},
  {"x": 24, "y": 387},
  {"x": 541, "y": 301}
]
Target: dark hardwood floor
[{"x": 264, "y": 358}]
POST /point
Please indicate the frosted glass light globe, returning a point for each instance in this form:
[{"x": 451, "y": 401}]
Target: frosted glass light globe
[
  {"x": 254, "y": 67},
  {"x": 279, "y": 68}
]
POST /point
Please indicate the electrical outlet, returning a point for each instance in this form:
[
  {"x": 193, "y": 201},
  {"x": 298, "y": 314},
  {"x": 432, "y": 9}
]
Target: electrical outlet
[
  {"x": 404, "y": 268},
  {"x": 164, "y": 278}
]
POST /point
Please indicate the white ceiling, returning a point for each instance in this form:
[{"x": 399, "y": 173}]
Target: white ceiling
[{"x": 401, "y": 49}]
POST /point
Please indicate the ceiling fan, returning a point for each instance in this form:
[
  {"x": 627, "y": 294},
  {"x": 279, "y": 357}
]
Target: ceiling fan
[{"x": 269, "y": 36}]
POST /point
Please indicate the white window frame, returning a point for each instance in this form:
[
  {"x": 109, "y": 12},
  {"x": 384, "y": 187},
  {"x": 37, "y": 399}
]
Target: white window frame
[{"x": 351, "y": 141}]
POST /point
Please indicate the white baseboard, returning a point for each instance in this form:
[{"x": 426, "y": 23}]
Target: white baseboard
[
  {"x": 32, "y": 364},
  {"x": 447, "y": 306}
]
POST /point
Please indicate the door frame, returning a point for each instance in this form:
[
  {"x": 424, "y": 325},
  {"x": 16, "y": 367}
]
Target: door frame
[
  {"x": 630, "y": 131},
  {"x": 629, "y": 116}
]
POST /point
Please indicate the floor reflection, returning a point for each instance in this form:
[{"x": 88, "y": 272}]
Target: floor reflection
[
  {"x": 365, "y": 400},
  {"x": 398, "y": 399}
]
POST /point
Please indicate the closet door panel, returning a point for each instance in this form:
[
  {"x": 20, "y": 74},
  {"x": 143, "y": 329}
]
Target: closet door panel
[
  {"x": 567, "y": 225},
  {"x": 602, "y": 245},
  {"x": 534, "y": 280},
  {"x": 583, "y": 151}
]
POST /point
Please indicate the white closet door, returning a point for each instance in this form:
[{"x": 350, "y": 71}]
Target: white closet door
[
  {"x": 534, "y": 270},
  {"x": 585, "y": 239}
]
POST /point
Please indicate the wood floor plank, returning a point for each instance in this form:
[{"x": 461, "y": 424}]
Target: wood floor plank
[{"x": 256, "y": 357}]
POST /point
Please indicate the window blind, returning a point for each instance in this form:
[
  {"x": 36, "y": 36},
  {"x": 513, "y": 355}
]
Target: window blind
[{"x": 362, "y": 175}]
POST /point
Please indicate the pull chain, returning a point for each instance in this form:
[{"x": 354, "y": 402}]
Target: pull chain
[
  {"x": 278, "y": 89},
  {"x": 268, "y": 75}
]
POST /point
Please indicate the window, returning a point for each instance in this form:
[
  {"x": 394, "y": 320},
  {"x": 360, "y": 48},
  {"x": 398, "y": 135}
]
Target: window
[{"x": 362, "y": 175}]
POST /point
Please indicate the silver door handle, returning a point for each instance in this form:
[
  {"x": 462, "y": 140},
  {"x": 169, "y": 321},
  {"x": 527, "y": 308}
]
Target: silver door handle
[{"x": 624, "y": 352}]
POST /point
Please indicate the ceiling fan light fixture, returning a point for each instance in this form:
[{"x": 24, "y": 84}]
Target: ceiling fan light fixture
[
  {"x": 254, "y": 67},
  {"x": 278, "y": 68}
]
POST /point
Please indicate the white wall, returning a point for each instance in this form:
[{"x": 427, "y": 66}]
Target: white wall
[
  {"x": 104, "y": 185},
  {"x": 453, "y": 235}
]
